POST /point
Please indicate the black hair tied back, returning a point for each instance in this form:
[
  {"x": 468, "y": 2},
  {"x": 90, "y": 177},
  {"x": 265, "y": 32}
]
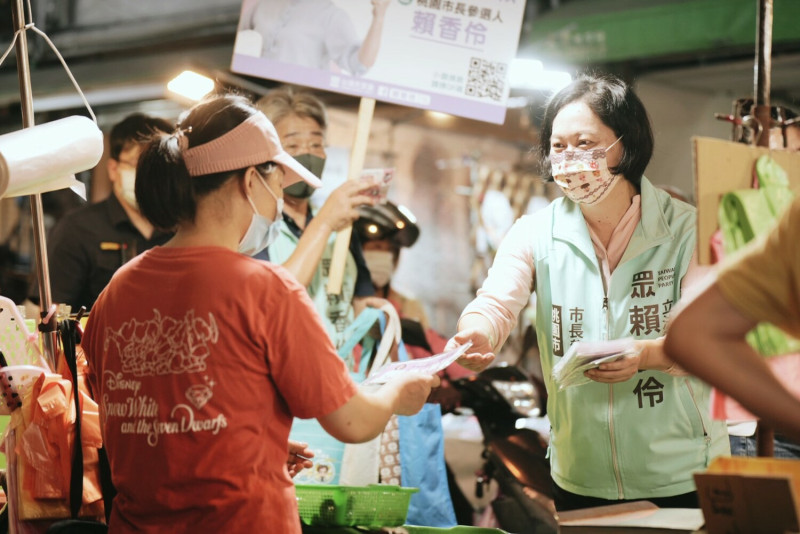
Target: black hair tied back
[
  {"x": 163, "y": 185},
  {"x": 166, "y": 194}
]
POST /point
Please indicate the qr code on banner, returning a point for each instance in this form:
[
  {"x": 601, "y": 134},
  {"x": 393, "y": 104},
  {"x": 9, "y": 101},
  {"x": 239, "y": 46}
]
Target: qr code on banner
[{"x": 486, "y": 78}]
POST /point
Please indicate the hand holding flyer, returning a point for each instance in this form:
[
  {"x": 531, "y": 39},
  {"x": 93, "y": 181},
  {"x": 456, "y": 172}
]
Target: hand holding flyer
[
  {"x": 585, "y": 355},
  {"x": 429, "y": 366},
  {"x": 378, "y": 183}
]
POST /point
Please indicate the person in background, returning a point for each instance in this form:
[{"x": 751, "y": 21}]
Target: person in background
[
  {"x": 306, "y": 239},
  {"x": 313, "y": 33},
  {"x": 385, "y": 229},
  {"x": 88, "y": 245},
  {"x": 607, "y": 261},
  {"x": 218, "y": 351},
  {"x": 759, "y": 283}
]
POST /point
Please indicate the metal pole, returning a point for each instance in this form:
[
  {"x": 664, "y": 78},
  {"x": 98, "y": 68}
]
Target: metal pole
[
  {"x": 765, "y": 436},
  {"x": 49, "y": 340},
  {"x": 763, "y": 68}
]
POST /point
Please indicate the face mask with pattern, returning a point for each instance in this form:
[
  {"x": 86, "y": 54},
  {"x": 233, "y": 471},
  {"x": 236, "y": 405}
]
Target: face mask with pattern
[{"x": 583, "y": 175}]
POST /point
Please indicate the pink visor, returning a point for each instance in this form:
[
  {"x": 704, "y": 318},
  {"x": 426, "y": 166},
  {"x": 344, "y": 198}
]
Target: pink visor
[{"x": 253, "y": 142}]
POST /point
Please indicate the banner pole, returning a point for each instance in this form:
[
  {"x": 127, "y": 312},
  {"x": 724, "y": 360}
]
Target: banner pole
[{"x": 341, "y": 247}]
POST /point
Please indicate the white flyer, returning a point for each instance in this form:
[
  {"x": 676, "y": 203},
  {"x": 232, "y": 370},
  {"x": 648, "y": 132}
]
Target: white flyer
[{"x": 429, "y": 366}]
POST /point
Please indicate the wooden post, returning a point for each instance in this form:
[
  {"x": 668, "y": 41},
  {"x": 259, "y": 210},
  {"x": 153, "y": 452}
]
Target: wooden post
[
  {"x": 765, "y": 436},
  {"x": 357, "y": 155}
]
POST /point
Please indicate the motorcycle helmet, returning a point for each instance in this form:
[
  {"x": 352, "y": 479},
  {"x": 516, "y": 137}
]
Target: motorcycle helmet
[{"x": 387, "y": 221}]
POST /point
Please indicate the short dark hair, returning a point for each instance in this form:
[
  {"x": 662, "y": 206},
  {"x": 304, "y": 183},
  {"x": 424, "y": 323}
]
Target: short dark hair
[
  {"x": 135, "y": 128},
  {"x": 618, "y": 107},
  {"x": 165, "y": 192}
]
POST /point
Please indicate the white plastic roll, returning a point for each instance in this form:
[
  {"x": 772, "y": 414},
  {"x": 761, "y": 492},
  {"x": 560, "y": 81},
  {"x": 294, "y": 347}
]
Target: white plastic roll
[{"x": 47, "y": 156}]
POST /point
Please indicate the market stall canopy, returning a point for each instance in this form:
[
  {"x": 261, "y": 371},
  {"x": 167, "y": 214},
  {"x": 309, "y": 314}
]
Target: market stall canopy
[{"x": 610, "y": 31}]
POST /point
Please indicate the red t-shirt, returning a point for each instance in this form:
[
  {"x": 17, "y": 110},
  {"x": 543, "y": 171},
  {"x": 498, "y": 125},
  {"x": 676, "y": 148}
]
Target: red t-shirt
[{"x": 200, "y": 358}]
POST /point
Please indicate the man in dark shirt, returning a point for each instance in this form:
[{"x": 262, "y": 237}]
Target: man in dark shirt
[{"x": 88, "y": 245}]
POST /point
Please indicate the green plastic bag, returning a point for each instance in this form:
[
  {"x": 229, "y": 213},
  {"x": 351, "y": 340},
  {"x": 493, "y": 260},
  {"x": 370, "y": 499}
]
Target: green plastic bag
[{"x": 748, "y": 213}]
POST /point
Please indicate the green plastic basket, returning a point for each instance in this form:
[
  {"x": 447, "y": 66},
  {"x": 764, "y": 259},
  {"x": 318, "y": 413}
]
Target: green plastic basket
[{"x": 347, "y": 506}]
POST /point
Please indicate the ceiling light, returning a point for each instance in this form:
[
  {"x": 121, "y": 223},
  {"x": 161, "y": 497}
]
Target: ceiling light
[
  {"x": 439, "y": 116},
  {"x": 523, "y": 71},
  {"x": 191, "y": 85},
  {"x": 531, "y": 74}
]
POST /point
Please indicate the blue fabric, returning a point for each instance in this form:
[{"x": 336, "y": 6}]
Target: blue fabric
[
  {"x": 328, "y": 451},
  {"x": 422, "y": 465},
  {"x": 746, "y": 446},
  {"x": 421, "y": 440}
]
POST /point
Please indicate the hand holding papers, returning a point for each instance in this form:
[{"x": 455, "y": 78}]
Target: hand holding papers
[
  {"x": 378, "y": 180},
  {"x": 429, "y": 366},
  {"x": 585, "y": 355}
]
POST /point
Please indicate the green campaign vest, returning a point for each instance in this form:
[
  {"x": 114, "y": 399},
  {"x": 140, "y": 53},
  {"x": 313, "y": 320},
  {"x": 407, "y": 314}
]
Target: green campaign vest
[
  {"x": 336, "y": 310},
  {"x": 646, "y": 436}
]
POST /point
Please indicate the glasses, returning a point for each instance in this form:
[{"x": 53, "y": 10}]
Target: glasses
[{"x": 304, "y": 144}]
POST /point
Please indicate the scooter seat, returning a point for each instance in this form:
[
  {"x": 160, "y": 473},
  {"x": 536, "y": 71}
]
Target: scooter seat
[{"x": 523, "y": 454}]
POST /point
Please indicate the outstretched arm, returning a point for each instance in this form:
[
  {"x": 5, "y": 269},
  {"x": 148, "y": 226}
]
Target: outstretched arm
[
  {"x": 707, "y": 338},
  {"x": 488, "y": 319},
  {"x": 365, "y": 415},
  {"x": 338, "y": 211}
]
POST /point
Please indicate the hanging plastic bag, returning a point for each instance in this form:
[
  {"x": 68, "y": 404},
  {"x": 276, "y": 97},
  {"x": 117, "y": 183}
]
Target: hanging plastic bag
[
  {"x": 422, "y": 465},
  {"x": 328, "y": 451},
  {"x": 40, "y": 445},
  {"x": 420, "y": 439},
  {"x": 361, "y": 461},
  {"x": 744, "y": 215}
]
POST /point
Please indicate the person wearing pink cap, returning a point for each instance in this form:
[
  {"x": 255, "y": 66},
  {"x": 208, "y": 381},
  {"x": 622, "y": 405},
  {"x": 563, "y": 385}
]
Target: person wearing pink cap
[{"x": 200, "y": 356}]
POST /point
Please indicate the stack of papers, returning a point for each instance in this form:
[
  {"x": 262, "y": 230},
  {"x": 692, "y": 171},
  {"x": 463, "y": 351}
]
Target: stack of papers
[{"x": 585, "y": 355}]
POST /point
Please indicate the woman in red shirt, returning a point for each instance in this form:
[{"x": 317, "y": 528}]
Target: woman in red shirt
[{"x": 201, "y": 356}]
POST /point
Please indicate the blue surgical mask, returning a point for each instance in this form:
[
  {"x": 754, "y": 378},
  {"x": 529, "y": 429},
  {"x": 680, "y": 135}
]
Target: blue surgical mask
[{"x": 261, "y": 232}]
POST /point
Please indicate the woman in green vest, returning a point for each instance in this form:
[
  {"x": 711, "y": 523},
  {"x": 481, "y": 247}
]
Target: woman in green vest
[{"x": 607, "y": 261}]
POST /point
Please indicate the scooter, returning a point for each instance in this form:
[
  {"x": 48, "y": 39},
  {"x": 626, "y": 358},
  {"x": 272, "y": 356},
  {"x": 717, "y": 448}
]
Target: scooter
[{"x": 505, "y": 402}]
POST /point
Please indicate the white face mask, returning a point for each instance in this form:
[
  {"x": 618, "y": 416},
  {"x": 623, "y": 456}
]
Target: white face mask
[
  {"x": 261, "y": 232},
  {"x": 128, "y": 186},
  {"x": 583, "y": 175},
  {"x": 381, "y": 266}
]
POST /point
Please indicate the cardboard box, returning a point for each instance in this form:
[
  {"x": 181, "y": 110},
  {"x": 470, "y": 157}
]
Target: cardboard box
[
  {"x": 739, "y": 494},
  {"x": 640, "y": 517}
]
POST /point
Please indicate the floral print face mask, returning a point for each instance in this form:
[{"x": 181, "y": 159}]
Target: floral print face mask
[{"x": 583, "y": 175}]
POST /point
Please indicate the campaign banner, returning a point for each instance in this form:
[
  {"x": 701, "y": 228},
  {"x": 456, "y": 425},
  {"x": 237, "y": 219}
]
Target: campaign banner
[{"x": 439, "y": 55}]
